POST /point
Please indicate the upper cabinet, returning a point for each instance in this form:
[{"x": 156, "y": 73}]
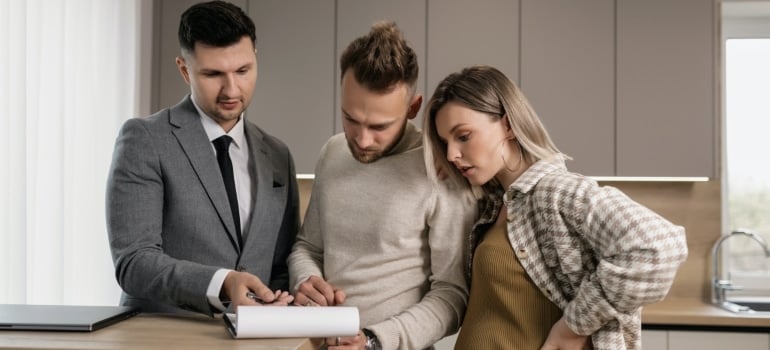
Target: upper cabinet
[
  {"x": 462, "y": 33},
  {"x": 294, "y": 96},
  {"x": 568, "y": 75},
  {"x": 666, "y": 87},
  {"x": 625, "y": 87}
]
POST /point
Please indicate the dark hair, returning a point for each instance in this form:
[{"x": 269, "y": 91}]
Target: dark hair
[
  {"x": 215, "y": 23},
  {"x": 381, "y": 59}
]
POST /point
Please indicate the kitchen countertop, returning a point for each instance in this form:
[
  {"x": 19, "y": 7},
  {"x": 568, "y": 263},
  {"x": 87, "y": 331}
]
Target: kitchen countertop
[
  {"x": 695, "y": 313},
  {"x": 148, "y": 332}
]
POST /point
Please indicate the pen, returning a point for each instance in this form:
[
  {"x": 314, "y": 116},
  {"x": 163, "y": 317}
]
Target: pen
[{"x": 253, "y": 296}]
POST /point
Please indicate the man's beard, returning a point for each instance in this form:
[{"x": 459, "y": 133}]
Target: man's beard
[{"x": 371, "y": 157}]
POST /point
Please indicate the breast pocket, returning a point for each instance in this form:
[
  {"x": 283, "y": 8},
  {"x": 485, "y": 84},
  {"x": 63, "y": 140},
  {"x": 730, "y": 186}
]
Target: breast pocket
[{"x": 564, "y": 255}]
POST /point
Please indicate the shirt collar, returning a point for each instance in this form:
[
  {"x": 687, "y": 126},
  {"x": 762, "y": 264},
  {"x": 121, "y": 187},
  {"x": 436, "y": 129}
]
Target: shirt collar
[
  {"x": 526, "y": 181},
  {"x": 214, "y": 131}
]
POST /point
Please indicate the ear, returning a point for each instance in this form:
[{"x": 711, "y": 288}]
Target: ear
[
  {"x": 182, "y": 65},
  {"x": 414, "y": 106},
  {"x": 507, "y": 127}
]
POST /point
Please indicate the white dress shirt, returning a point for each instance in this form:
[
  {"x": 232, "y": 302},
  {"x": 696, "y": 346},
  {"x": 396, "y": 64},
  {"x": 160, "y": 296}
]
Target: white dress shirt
[{"x": 239, "y": 154}]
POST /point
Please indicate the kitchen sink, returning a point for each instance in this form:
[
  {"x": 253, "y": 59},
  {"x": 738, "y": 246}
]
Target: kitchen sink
[
  {"x": 749, "y": 305},
  {"x": 758, "y": 306}
]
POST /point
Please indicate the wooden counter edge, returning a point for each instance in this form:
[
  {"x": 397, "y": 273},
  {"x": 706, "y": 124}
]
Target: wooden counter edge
[
  {"x": 695, "y": 312},
  {"x": 151, "y": 331}
]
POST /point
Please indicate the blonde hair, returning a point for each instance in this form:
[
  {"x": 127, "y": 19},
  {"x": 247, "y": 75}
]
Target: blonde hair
[{"x": 487, "y": 90}]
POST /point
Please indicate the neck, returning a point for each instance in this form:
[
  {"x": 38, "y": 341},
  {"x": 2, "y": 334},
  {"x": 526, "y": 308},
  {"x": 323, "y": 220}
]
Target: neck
[{"x": 507, "y": 177}]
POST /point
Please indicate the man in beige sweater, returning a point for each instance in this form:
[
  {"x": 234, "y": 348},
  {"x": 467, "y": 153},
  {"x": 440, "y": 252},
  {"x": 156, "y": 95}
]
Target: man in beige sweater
[{"x": 378, "y": 234}]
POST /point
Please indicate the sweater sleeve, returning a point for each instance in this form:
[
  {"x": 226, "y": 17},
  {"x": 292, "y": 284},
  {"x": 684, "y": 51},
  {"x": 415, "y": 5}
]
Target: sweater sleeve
[
  {"x": 638, "y": 255},
  {"x": 441, "y": 310},
  {"x": 306, "y": 258}
]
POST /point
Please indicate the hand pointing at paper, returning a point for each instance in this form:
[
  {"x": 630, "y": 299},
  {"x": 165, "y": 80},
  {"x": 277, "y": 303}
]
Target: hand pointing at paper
[
  {"x": 316, "y": 291},
  {"x": 238, "y": 285}
]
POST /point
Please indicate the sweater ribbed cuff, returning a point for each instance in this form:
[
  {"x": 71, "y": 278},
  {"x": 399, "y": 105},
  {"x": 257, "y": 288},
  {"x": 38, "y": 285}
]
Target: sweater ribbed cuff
[{"x": 387, "y": 333}]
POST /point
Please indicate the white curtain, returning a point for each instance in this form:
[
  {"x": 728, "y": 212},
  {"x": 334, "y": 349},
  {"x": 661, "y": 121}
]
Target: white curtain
[{"x": 67, "y": 82}]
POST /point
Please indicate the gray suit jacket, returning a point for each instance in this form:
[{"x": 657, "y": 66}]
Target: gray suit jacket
[{"x": 169, "y": 222}]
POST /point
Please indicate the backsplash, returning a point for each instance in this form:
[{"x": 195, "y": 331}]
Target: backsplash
[{"x": 694, "y": 205}]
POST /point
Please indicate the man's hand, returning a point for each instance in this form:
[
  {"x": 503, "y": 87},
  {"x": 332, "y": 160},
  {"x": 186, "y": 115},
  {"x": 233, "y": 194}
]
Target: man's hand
[
  {"x": 281, "y": 299},
  {"x": 243, "y": 288},
  {"x": 563, "y": 338},
  {"x": 316, "y": 291},
  {"x": 358, "y": 342}
]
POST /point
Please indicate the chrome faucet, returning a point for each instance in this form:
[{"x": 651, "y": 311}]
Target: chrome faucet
[{"x": 719, "y": 285}]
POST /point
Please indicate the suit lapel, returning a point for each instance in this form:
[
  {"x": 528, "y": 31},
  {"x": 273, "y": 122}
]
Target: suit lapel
[{"x": 200, "y": 153}]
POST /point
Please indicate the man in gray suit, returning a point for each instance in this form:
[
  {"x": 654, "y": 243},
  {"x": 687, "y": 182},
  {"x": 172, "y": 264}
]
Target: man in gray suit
[{"x": 203, "y": 204}]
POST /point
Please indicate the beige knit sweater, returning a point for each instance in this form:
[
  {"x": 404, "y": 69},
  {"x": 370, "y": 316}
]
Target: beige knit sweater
[{"x": 392, "y": 241}]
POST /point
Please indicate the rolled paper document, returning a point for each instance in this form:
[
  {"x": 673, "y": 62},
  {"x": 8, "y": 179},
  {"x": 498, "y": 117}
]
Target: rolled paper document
[{"x": 293, "y": 321}]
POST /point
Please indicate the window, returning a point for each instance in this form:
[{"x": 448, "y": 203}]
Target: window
[
  {"x": 746, "y": 45},
  {"x": 68, "y": 80}
]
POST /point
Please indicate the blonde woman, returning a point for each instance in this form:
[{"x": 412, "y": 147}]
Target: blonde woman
[{"x": 554, "y": 261}]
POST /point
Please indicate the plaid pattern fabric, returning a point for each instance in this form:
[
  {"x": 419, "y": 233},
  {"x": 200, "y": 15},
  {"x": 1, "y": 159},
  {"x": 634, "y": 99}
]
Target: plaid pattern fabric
[{"x": 591, "y": 250}]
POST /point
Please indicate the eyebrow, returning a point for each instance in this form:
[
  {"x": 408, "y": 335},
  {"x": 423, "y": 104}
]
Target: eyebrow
[
  {"x": 451, "y": 131},
  {"x": 349, "y": 117},
  {"x": 210, "y": 70}
]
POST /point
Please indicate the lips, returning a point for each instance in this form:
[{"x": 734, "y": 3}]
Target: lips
[
  {"x": 465, "y": 170},
  {"x": 229, "y": 104}
]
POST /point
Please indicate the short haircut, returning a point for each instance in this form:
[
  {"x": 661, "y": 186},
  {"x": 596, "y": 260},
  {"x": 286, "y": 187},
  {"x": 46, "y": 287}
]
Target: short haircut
[
  {"x": 215, "y": 23},
  {"x": 381, "y": 59}
]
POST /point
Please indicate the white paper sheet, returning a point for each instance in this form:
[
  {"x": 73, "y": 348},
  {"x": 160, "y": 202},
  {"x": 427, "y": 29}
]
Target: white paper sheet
[{"x": 293, "y": 321}]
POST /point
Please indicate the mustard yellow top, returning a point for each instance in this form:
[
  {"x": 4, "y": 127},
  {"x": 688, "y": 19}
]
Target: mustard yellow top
[{"x": 506, "y": 310}]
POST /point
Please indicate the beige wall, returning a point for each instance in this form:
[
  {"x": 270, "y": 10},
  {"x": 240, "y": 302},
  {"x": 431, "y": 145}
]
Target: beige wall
[{"x": 694, "y": 205}]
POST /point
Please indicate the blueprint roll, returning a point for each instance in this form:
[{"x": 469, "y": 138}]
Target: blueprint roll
[{"x": 293, "y": 321}]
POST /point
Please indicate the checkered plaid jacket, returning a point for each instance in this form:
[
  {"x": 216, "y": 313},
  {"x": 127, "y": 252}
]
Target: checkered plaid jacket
[{"x": 595, "y": 253}]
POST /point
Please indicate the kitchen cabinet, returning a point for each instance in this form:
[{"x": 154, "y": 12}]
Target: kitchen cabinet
[
  {"x": 294, "y": 96},
  {"x": 666, "y": 88},
  {"x": 457, "y": 40},
  {"x": 355, "y": 18},
  {"x": 627, "y": 88},
  {"x": 654, "y": 340},
  {"x": 689, "y": 340},
  {"x": 568, "y": 74},
  {"x": 680, "y": 340}
]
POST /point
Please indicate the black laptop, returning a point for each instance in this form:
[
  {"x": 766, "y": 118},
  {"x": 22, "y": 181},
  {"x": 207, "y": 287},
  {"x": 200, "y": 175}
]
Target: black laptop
[{"x": 61, "y": 317}]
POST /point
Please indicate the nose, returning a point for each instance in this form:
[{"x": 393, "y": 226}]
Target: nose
[
  {"x": 229, "y": 85},
  {"x": 364, "y": 138},
  {"x": 452, "y": 152}
]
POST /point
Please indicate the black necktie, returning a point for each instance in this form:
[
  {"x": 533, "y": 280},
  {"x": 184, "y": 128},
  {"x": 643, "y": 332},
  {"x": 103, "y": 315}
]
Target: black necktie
[{"x": 222, "y": 145}]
